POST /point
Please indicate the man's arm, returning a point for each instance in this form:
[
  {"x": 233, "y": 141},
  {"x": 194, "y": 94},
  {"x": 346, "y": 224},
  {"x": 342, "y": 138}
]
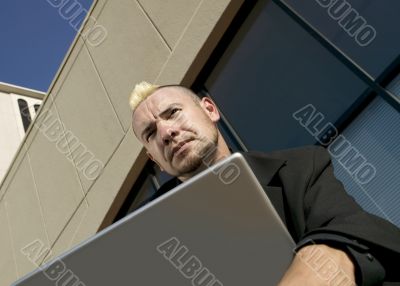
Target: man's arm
[
  {"x": 319, "y": 264},
  {"x": 334, "y": 219}
]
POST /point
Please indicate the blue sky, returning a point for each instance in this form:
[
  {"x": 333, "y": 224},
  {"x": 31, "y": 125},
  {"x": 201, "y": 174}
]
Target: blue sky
[{"x": 34, "y": 41}]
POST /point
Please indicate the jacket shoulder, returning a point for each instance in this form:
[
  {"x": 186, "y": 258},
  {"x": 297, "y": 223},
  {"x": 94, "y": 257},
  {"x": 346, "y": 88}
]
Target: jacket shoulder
[{"x": 300, "y": 154}]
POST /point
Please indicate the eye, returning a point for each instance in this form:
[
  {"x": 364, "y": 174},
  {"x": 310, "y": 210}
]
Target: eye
[
  {"x": 149, "y": 134},
  {"x": 173, "y": 111}
]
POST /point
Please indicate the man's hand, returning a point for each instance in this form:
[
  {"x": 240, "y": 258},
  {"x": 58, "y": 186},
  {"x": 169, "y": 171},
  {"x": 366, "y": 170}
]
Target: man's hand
[{"x": 319, "y": 264}]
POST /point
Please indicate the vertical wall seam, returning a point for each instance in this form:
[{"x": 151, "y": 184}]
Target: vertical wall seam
[
  {"x": 70, "y": 153},
  {"x": 104, "y": 87},
  {"x": 61, "y": 232},
  {"x": 73, "y": 214},
  {"x": 12, "y": 178},
  {"x": 188, "y": 23},
  {"x": 38, "y": 198},
  {"x": 154, "y": 25},
  {"x": 78, "y": 227},
  {"x": 11, "y": 238},
  {"x": 179, "y": 39}
]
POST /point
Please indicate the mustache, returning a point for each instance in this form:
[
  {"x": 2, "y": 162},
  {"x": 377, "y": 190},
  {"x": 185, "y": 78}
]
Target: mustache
[{"x": 174, "y": 147}]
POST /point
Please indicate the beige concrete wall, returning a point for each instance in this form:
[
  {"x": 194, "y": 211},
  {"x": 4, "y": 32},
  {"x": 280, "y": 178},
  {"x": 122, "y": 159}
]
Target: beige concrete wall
[{"x": 80, "y": 157}]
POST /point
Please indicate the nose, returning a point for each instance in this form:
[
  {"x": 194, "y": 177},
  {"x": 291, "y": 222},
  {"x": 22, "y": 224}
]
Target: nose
[{"x": 167, "y": 132}]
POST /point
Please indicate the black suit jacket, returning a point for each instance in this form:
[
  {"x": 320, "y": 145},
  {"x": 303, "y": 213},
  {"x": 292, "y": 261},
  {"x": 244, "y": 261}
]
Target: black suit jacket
[{"x": 316, "y": 208}]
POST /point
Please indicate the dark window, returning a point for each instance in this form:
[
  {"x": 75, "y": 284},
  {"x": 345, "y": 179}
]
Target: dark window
[
  {"x": 262, "y": 80},
  {"x": 374, "y": 181},
  {"x": 276, "y": 64},
  {"x": 25, "y": 114},
  {"x": 36, "y": 106},
  {"x": 349, "y": 24}
]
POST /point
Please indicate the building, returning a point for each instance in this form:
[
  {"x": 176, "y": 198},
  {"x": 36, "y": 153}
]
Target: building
[
  {"x": 18, "y": 107},
  {"x": 284, "y": 73}
]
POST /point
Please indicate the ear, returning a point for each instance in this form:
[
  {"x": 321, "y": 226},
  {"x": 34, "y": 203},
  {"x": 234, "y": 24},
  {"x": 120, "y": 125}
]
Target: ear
[
  {"x": 210, "y": 108},
  {"x": 152, "y": 159}
]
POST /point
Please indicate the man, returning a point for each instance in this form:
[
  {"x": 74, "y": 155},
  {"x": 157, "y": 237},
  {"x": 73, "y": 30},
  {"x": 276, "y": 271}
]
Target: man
[{"x": 179, "y": 131}]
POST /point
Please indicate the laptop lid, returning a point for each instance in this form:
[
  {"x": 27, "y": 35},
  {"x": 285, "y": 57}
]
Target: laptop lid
[{"x": 218, "y": 228}]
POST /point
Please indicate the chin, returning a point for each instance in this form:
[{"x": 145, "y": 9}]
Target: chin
[{"x": 189, "y": 164}]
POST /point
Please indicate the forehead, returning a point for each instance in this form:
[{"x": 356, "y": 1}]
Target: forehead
[{"x": 159, "y": 101}]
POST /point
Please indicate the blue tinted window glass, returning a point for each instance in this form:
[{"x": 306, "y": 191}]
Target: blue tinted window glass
[
  {"x": 394, "y": 86},
  {"x": 375, "y": 135},
  {"x": 272, "y": 69},
  {"x": 365, "y": 30}
]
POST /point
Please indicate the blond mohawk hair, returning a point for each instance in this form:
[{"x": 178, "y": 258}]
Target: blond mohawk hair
[{"x": 141, "y": 92}]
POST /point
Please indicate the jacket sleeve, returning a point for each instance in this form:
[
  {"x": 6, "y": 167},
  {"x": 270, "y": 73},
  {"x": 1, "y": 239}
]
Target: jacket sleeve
[{"x": 333, "y": 217}]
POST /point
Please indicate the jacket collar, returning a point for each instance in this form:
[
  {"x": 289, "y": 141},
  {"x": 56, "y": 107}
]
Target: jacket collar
[{"x": 263, "y": 166}]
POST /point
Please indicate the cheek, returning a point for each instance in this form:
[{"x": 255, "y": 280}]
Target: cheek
[
  {"x": 157, "y": 154},
  {"x": 189, "y": 120},
  {"x": 191, "y": 123},
  {"x": 183, "y": 122},
  {"x": 154, "y": 152}
]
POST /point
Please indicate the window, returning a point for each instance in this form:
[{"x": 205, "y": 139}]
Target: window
[
  {"x": 366, "y": 31},
  {"x": 262, "y": 80},
  {"x": 276, "y": 64},
  {"x": 36, "y": 106},
  {"x": 375, "y": 134},
  {"x": 25, "y": 114}
]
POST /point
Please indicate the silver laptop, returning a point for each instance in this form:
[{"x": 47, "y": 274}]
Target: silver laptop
[{"x": 218, "y": 228}]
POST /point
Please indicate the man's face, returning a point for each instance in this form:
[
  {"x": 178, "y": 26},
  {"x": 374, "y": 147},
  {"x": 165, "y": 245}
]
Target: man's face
[{"x": 176, "y": 131}]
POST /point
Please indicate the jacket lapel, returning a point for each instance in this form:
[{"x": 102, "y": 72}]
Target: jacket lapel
[{"x": 265, "y": 169}]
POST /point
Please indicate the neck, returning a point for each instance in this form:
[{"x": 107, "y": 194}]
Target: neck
[{"x": 220, "y": 152}]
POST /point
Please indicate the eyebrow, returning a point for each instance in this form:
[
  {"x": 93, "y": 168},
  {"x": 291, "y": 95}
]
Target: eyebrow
[{"x": 161, "y": 114}]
